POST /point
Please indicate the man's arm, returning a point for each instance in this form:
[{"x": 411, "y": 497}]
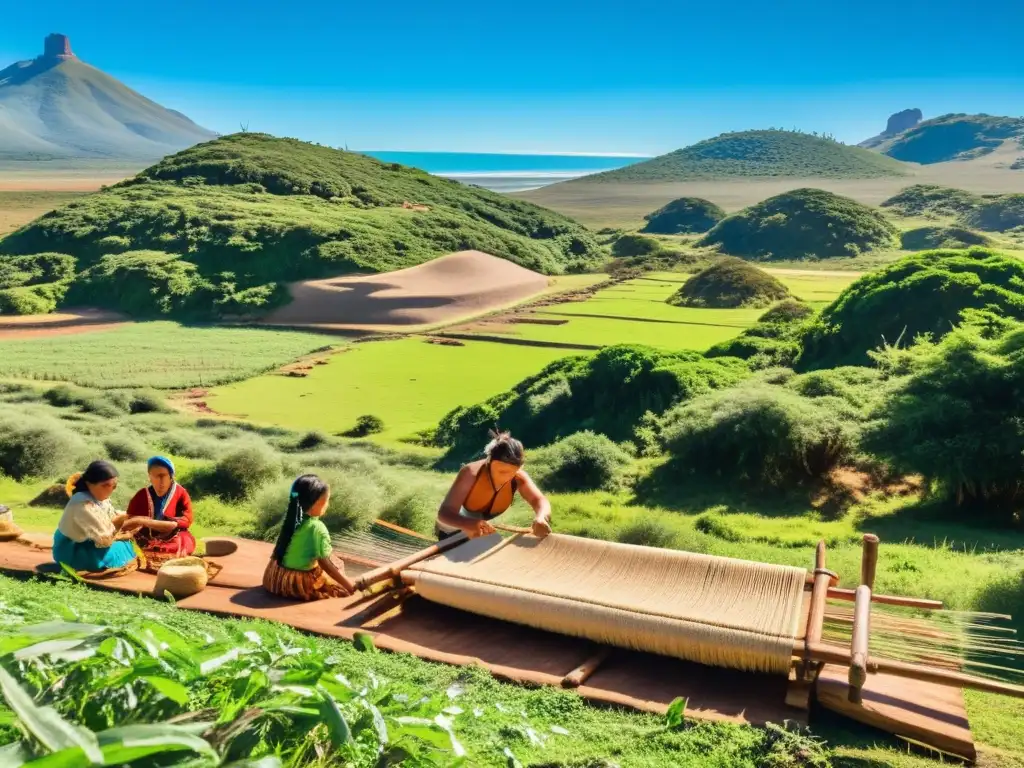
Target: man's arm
[{"x": 536, "y": 499}]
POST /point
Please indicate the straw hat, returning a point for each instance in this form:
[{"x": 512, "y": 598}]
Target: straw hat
[
  {"x": 182, "y": 577},
  {"x": 8, "y": 530}
]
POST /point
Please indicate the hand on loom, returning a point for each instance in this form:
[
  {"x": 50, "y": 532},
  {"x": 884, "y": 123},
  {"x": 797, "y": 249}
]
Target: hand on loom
[
  {"x": 541, "y": 528},
  {"x": 482, "y": 528}
]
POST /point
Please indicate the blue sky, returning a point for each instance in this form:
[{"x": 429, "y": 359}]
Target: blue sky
[{"x": 555, "y": 76}]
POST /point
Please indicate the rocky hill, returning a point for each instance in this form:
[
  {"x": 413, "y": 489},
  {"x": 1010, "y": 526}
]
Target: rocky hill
[{"x": 58, "y": 107}]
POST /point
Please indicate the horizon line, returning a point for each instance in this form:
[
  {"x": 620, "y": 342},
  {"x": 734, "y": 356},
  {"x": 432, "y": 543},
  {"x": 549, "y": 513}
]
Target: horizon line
[{"x": 520, "y": 153}]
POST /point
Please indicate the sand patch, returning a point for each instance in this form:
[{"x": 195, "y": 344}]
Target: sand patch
[
  {"x": 59, "y": 324},
  {"x": 443, "y": 290}
]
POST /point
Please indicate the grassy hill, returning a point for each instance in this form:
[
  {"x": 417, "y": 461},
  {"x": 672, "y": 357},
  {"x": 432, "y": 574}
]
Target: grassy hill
[
  {"x": 769, "y": 153},
  {"x": 802, "y": 224},
  {"x": 684, "y": 216},
  {"x": 729, "y": 283},
  {"x": 219, "y": 228},
  {"x": 954, "y": 137},
  {"x": 58, "y": 107}
]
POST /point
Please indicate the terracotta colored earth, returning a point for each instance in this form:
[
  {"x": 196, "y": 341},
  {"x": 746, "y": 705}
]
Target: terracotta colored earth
[
  {"x": 449, "y": 288},
  {"x": 59, "y": 324}
]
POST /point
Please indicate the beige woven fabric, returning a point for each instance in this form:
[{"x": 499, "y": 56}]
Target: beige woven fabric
[{"x": 711, "y": 610}]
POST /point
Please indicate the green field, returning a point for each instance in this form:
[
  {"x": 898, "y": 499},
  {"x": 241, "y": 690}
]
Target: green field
[
  {"x": 18, "y": 208},
  {"x": 163, "y": 355},
  {"x": 636, "y": 312},
  {"x": 409, "y": 383}
]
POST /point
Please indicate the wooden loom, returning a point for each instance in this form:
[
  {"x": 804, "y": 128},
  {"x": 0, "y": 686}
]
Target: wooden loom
[{"x": 918, "y": 702}]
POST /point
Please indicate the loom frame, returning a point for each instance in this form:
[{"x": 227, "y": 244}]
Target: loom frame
[{"x": 811, "y": 657}]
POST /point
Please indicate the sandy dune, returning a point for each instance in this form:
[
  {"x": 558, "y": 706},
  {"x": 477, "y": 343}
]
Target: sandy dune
[{"x": 449, "y": 288}]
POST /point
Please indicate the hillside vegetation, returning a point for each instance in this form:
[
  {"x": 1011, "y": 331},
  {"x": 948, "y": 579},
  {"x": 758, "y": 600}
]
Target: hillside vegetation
[
  {"x": 218, "y": 229},
  {"x": 932, "y": 200},
  {"x": 770, "y": 153},
  {"x": 953, "y": 137},
  {"x": 802, "y": 224},
  {"x": 685, "y": 216},
  {"x": 608, "y": 392},
  {"x": 926, "y": 293},
  {"x": 728, "y": 283}
]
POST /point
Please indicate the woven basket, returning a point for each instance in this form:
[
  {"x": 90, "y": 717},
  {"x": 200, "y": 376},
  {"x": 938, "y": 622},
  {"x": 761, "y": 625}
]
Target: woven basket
[
  {"x": 184, "y": 576},
  {"x": 8, "y": 530}
]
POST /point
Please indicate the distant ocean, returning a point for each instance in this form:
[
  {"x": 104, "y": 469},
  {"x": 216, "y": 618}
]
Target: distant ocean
[{"x": 505, "y": 173}]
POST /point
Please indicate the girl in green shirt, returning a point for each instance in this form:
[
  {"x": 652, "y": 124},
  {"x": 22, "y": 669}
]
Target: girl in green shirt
[{"x": 301, "y": 567}]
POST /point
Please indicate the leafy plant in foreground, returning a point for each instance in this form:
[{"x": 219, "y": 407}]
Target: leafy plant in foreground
[{"x": 90, "y": 695}]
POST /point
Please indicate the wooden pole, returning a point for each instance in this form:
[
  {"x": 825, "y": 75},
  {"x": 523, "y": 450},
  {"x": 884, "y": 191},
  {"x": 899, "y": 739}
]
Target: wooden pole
[
  {"x": 578, "y": 676},
  {"x": 839, "y": 593},
  {"x": 869, "y": 560},
  {"x": 392, "y": 570},
  {"x": 831, "y": 654},
  {"x": 858, "y": 674},
  {"x": 816, "y": 612}
]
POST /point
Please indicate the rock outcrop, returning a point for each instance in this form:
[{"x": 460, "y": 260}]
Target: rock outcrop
[
  {"x": 903, "y": 121},
  {"x": 57, "y": 46}
]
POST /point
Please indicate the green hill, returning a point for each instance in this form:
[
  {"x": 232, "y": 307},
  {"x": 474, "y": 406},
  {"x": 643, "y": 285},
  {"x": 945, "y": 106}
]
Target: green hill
[
  {"x": 953, "y": 137},
  {"x": 729, "y": 283},
  {"x": 932, "y": 200},
  {"x": 219, "y": 228},
  {"x": 58, "y": 107},
  {"x": 768, "y": 153},
  {"x": 925, "y": 293},
  {"x": 684, "y": 216},
  {"x": 802, "y": 224}
]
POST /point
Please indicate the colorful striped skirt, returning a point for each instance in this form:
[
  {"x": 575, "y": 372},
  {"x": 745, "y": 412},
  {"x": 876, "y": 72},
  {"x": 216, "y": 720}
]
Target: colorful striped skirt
[{"x": 313, "y": 584}]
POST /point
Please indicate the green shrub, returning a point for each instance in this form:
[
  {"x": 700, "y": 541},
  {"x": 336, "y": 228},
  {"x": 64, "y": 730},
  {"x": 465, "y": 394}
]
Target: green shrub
[
  {"x": 684, "y": 216},
  {"x": 415, "y": 509},
  {"x": 124, "y": 448},
  {"x": 32, "y": 446},
  {"x": 102, "y": 403},
  {"x": 729, "y": 283},
  {"x": 925, "y": 238},
  {"x": 647, "y": 532},
  {"x": 925, "y": 293},
  {"x": 584, "y": 461},
  {"x": 242, "y": 471},
  {"x": 759, "y": 434},
  {"x": 607, "y": 392},
  {"x": 36, "y": 269},
  {"x": 356, "y": 499},
  {"x": 802, "y": 224},
  {"x": 147, "y": 401},
  {"x": 635, "y": 245},
  {"x": 930, "y": 199},
  {"x": 32, "y": 300},
  {"x": 190, "y": 444},
  {"x": 957, "y": 421},
  {"x": 858, "y": 386},
  {"x": 312, "y": 440},
  {"x": 998, "y": 214},
  {"x": 787, "y": 311},
  {"x": 365, "y": 426}
]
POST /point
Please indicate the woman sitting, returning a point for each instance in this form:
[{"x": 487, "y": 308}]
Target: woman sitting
[
  {"x": 301, "y": 567},
  {"x": 92, "y": 536},
  {"x": 484, "y": 489},
  {"x": 164, "y": 512}
]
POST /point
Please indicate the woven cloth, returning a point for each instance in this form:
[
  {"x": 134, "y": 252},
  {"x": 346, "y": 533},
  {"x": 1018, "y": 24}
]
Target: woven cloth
[{"x": 711, "y": 610}]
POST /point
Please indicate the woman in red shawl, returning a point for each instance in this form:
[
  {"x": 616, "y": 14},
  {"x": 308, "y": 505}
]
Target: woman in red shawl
[{"x": 165, "y": 511}]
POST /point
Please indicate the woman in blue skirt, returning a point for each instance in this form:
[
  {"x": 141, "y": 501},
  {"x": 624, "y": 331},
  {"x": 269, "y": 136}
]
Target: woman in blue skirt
[{"x": 91, "y": 535}]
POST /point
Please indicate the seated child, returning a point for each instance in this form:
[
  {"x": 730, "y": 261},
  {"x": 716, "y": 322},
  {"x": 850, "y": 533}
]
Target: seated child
[{"x": 301, "y": 566}]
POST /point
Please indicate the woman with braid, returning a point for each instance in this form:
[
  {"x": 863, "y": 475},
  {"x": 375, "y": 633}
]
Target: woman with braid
[
  {"x": 485, "y": 489},
  {"x": 301, "y": 567}
]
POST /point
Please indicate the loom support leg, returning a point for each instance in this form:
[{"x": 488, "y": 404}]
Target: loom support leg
[{"x": 578, "y": 676}]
